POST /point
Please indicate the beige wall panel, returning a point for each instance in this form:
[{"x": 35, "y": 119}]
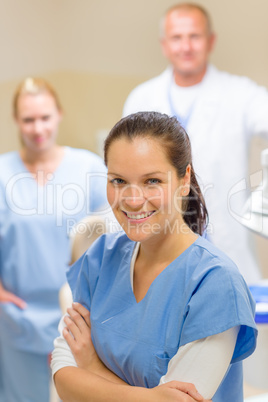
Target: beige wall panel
[
  {"x": 91, "y": 102},
  {"x": 95, "y": 51},
  {"x": 8, "y": 133}
]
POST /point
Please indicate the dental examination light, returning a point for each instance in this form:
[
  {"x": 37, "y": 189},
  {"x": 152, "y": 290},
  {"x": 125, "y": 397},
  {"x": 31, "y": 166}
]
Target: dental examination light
[{"x": 255, "y": 216}]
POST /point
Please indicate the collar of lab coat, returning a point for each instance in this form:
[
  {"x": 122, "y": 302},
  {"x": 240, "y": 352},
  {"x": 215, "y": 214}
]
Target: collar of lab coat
[{"x": 208, "y": 99}]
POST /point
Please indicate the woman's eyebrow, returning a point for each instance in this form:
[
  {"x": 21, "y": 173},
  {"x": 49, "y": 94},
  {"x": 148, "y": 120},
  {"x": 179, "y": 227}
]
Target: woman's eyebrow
[{"x": 144, "y": 175}]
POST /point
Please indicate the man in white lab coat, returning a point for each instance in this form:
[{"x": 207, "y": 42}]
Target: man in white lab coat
[{"x": 221, "y": 113}]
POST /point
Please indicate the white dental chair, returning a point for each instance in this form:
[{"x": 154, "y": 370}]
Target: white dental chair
[{"x": 83, "y": 234}]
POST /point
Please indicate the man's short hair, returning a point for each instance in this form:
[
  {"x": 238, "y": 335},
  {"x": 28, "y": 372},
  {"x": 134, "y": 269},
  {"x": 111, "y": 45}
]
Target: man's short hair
[{"x": 187, "y": 7}]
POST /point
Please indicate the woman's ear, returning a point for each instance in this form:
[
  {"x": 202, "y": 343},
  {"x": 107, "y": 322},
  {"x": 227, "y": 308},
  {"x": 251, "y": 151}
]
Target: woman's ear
[{"x": 186, "y": 181}]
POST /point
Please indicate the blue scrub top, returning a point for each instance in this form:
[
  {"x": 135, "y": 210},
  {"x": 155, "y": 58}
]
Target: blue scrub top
[
  {"x": 201, "y": 293},
  {"x": 35, "y": 222}
]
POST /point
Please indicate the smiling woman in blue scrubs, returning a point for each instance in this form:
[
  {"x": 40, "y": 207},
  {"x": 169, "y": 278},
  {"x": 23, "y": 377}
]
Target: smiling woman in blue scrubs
[
  {"x": 157, "y": 306},
  {"x": 40, "y": 187}
]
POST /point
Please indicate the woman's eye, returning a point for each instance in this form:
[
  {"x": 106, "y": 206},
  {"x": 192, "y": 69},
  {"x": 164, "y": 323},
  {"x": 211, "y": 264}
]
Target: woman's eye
[
  {"x": 153, "y": 181},
  {"x": 117, "y": 181}
]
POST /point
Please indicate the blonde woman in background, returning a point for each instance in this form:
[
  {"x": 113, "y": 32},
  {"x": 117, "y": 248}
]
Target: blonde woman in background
[{"x": 44, "y": 189}]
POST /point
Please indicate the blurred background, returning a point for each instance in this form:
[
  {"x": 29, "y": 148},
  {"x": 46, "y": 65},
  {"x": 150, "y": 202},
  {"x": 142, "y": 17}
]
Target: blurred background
[{"x": 95, "y": 51}]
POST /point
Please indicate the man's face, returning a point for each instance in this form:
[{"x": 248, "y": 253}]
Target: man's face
[{"x": 187, "y": 42}]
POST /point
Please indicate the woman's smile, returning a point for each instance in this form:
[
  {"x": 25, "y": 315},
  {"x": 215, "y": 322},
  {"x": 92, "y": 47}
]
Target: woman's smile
[{"x": 138, "y": 216}]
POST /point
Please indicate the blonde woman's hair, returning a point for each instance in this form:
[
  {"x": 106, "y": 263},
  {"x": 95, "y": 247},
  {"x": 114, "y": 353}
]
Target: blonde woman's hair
[{"x": 34, "y": 86}]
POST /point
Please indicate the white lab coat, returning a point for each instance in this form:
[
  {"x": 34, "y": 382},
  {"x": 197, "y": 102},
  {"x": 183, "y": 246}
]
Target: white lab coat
[{"x": 228, "y": 112}]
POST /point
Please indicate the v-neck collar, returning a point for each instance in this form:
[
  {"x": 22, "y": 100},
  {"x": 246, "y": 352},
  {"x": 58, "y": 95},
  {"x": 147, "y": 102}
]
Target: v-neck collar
[
  {"x": 54, "y": 173},
  {"x": 133, "y": 258}
]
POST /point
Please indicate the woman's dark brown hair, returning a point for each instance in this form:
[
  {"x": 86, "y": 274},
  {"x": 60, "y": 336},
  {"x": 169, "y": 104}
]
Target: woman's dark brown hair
[{"x": 174, "y": 139}]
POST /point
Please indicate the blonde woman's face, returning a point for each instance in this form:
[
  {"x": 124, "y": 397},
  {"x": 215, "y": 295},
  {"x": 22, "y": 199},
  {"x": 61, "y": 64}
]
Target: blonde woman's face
[{"x": 38, "y": 120}]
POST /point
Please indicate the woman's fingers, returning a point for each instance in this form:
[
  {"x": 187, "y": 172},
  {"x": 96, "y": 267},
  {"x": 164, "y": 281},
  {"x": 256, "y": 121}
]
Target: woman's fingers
[
  {"x": 8, "y": 297},
  {"x": 187, "y": 388},
  {"x": 77, "y": 326},
  {"x": 69, "y": 338},
  {"x": 81, "y": 320},
  {"x": 78, "y": 336},
  {"x": 17, "y": 301},
  {"x": 176, "y": 391},
  {"x": 82, "y": 311}
]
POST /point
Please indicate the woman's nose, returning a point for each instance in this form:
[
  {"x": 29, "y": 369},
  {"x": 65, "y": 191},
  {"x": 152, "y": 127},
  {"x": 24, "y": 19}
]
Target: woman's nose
[
  {"x": 38, "y": 126},
  {"x": 133, "y": 197}
]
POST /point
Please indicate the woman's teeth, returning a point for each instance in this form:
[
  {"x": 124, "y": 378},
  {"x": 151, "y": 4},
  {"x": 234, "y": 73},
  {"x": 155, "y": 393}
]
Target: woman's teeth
[{"x": 138, "y": 216}]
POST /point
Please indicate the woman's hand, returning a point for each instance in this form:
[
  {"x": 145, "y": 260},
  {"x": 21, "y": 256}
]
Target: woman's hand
[
  {"x": 176, "y": 391},
  {"x": 8, "y": 297},
  {"x": 78, "y": 336}
]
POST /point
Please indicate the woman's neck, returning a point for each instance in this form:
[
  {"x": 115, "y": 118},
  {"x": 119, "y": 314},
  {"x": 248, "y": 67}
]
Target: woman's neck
[
  {"x": 167, "y": 249},
  {"x": 37, "y": 158},
  {"x": 43, "y": 163},
  {"x": 154, "y": 258}
]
